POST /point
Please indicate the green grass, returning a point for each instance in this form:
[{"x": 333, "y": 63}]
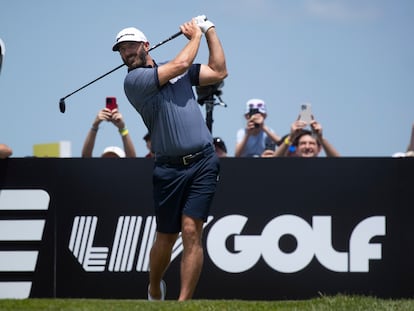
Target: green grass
[{"x": 351, "y": 303}]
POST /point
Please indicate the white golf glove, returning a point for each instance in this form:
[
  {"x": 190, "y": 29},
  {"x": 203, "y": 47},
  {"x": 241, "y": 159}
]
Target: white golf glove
[{"x": 203, "y": 23}]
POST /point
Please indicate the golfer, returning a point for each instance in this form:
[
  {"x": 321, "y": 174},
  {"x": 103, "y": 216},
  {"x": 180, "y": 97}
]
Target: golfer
[{"x": 186, "y": 168}]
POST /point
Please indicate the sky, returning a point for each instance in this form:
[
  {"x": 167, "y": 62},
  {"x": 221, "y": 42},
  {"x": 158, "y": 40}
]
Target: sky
[{"x": 353, "y": 60}]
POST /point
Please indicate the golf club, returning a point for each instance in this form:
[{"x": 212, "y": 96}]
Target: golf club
[{"x": 62, "y": 105}]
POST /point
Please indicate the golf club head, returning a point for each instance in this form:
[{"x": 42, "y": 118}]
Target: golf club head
[{"x": 62, "y": 105}]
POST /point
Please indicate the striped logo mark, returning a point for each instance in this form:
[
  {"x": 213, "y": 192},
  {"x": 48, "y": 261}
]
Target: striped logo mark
[
  {"x": 125, "y": 243},
  {"x": 147, "y": 240},
  {"x": 19, "y": 231},
  {"x": 83, "y": 232},
  {"x": 124, "y": 247}
]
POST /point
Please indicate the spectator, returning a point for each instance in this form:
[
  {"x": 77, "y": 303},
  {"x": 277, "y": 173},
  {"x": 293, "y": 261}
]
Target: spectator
[
  {"x": 410, "y": 147},
  {"x": 147, "y": 139},
  {"x": 307, "y": 143},
  {"x": 113, "y": 152},
  {"x": 5, "y": 151},
  {"x": 115, "y": 117},
  {"x": 186, "y": 168},
  {"x": 220, "y": 147},
  {"x": 253, "y": 140}
]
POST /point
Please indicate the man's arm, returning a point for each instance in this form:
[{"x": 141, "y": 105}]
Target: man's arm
[
  {"x": 118, "y": 121},
  {"x": 128, "y": 146},
  {"x": 272, "y": 135},
  {"x": 89, "y": 143},
  {"x": 330, "y": 151},
  {"x": 283, "y": 149},
  {"x": 241, "y": 145},
  {"x": 216, "y": 69},
  {"x": 185, "y": 58}
]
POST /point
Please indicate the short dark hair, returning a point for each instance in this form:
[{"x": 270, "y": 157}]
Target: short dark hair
[
  {"x": 147, "y": 137},
  {"x": 218, "y": 142},
  {"x": 303, "y": 132}
]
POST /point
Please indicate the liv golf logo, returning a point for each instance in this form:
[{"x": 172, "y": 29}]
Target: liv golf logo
[
  {"x": 126, "y": 253},
  {"x": 134, "y": 236},
  {"x": 19, "y": 232}
]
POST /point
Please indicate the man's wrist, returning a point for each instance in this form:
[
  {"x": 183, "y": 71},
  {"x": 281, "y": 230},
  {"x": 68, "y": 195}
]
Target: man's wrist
[
  {"x": 287, "y": 141},
  {"x": 124, "y": 131}
]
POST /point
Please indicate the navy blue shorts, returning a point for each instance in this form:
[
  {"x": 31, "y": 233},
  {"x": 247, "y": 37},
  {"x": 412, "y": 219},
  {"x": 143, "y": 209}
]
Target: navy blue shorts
[{"x": 184, "y": 189}]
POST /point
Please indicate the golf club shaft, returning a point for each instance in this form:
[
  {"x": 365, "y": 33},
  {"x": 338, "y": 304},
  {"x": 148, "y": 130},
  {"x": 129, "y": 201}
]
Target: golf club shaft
[
  {"x": 166, "y": 40},
  {"x": 104, "y": 75}
]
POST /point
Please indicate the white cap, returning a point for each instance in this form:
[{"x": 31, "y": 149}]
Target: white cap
[
  {"x": 398, "y": 155},
  {"x": 129, "y": 34},
  {"x": 403, "y": 154},
  {"x": 115, "y": 150},
  {"x": 256, "y": 103}
]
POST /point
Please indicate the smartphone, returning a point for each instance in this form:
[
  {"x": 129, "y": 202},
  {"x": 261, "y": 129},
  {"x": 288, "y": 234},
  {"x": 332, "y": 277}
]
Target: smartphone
[
  {"x": 306, "y": 113},
  {"x": 270, "y": 145},
  {"x": 111, "y": 103},
  {"x": 253, "y": 111}
]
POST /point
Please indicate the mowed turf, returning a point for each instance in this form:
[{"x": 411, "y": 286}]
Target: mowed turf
[{"x": 340, "y": 302}]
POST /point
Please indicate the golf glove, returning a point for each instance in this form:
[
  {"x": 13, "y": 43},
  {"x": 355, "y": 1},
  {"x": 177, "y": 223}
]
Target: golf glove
[{"x": 203, "y": 23}]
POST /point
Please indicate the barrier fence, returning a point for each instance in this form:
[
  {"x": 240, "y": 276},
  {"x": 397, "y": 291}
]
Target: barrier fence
[{"x": 285, "y": 228}]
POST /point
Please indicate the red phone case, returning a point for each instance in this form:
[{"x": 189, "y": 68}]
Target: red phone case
[{"x": 111, "y": 103}]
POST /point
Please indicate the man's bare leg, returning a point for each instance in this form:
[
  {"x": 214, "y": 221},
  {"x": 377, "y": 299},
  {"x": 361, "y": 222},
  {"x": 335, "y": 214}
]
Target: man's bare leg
[
  {"x": 160, "y": 257},
  {"x": 192, "y": 257}
]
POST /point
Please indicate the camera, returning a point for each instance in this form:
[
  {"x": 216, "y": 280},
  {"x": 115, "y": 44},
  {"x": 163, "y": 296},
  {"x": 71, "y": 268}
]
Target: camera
[
  {"x": 270, "y": 145},
  {"x": 253, "y": 111}
]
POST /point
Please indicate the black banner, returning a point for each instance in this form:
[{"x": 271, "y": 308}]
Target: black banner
[{"x": 285, "y": 228}]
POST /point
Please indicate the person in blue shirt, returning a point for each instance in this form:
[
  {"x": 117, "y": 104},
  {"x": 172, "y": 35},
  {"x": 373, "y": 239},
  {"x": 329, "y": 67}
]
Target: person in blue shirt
[
  {"x": 256, "y": 137},
  {"x": 186, "y": 168}
]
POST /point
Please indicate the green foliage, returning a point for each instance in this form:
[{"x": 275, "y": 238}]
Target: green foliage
[{"x": 340, "y": 302}]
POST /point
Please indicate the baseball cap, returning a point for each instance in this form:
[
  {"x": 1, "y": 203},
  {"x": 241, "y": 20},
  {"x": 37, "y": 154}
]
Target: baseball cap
[
  {"x": 218, "y": 142},
  {"x": 129, "y": 34},
  {"x": 256, "y": 103},
  {"x": 114, "y": 150}
]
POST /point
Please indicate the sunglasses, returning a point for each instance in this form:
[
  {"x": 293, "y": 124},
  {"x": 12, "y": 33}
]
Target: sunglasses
[{"x": 256, "y": 105}]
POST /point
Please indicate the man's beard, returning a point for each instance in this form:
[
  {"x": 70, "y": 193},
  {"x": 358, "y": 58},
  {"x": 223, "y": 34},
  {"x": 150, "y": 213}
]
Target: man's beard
[{"x": 142, "y": 57}]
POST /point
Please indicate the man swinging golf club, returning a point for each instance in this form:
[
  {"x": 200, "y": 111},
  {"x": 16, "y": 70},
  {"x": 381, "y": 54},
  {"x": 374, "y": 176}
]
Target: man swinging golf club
[{"x": 186, "y": 168}]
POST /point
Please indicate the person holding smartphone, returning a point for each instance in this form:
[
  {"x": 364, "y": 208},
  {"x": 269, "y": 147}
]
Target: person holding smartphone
[
  {"x": 112, "y": 115},
  {"x": 256, "y": 138},
  {"x": 186, "y": 168},
  {"x": 306, "y": 143}
]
